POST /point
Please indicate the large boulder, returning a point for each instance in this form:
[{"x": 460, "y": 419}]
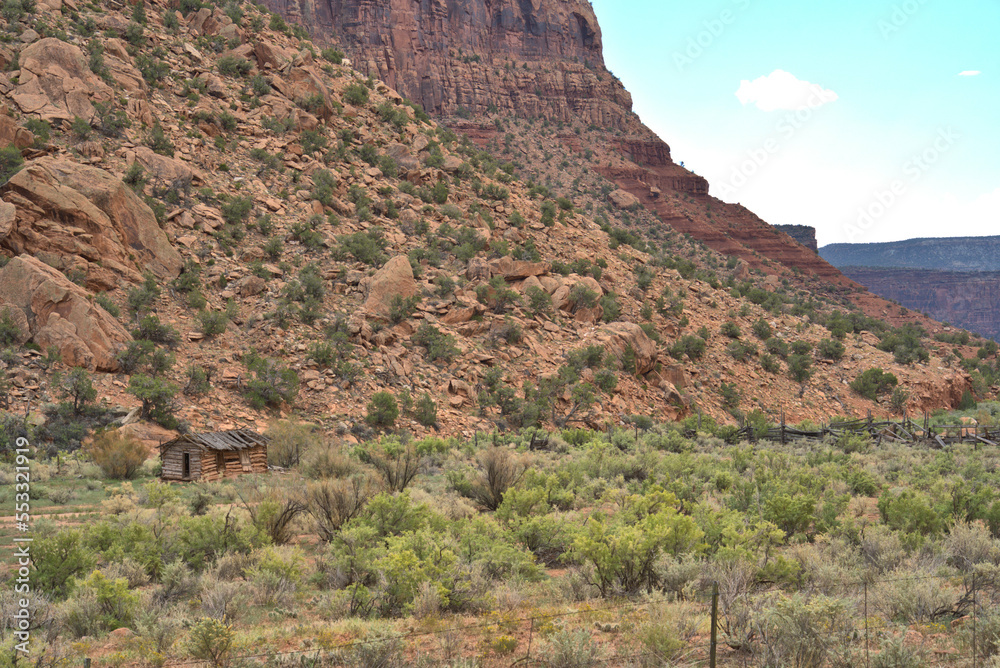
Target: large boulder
[
  {"x": 623, "y": 199},
  {"x": 516, "y": 270},
  {"x": 164, "y": 170},
  {"x": 395, "y": 279},
  {"x": 616, "y": 337},
  {"x": 12, "y": 133},
  {"x": 84, "y": 218},
  {"x": 59, "y": 313},
  {"x": 56, "y": 83}
]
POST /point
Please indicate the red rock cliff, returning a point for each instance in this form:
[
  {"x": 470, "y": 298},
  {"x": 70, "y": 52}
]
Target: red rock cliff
[{"x": 535, "y": 58}]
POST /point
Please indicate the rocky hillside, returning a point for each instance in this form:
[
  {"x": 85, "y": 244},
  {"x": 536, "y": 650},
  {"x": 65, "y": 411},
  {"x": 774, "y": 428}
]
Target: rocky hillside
[
  {"x": 226, "y": 224},
  {"x": 479, "y": 63}
]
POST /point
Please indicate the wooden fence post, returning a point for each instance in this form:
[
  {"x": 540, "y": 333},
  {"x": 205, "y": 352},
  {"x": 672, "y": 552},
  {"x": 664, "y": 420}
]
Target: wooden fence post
[{"x": 715, "y": 624}]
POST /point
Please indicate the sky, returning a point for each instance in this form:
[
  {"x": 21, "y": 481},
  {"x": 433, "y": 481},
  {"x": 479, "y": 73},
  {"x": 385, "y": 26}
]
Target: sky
[{"x": 869, "y": 120}]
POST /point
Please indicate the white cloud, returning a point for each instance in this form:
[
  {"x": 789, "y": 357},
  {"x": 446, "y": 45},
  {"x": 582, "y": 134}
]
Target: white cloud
[
  {"x": 969, "y": 73},
  {"x": 781, "y": 90}
]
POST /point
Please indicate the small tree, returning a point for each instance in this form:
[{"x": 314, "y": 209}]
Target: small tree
[
  {"x": 382, "y": 410},
  {"x": 800, "y": 367},
  {"x": 77, "y": 387},
  {"x": 425, "y": 410},
  {"x": 157, "y": 396},
  {"x": 119, "y": 456}
]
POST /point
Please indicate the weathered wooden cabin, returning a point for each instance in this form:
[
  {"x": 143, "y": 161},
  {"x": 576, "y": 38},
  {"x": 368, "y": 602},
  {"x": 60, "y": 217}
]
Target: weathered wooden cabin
[{"x": 213, "y": 456}]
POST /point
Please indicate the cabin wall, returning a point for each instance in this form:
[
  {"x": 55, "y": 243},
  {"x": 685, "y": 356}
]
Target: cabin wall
[
  {"x": 232, "y": 463},
  {"x": 172, "y": 461}
]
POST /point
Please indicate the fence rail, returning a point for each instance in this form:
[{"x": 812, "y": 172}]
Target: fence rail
[{"x": 899, "y": 431}]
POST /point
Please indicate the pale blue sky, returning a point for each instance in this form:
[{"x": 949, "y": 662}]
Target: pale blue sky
[{"x": 868, "y": 120}]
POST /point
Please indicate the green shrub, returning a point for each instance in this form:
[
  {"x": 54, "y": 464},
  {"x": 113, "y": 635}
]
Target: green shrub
[
  {"x": 769, "y": 363},
  {"x": 831, "y": 349},
  {"x": 382, "y": 410},
  {"x": 211, "y": 640},
  {"x": 731, "y": 329},
  {"x": 873, "y": 383},
  {"x": 10, "y": 331},
  {"x": 539, "y": 301},
  {"x": 157, "y": 397},
  {"x": 213, "y": 323},
  {"x": 762, "y": 330},
  {"x": 58, "y": 559},
  {"x": 692, "y": 346},
  {"x": 151, "y": 329},
  {"x": 425, "y": 410},
  {"x": 401, "y": 308},
  {"x": 800, "y": 367},
  {"x": 356, "y": 94},
  {"x": 237, "y": 210},
  {"x": 10, "y": 162},
  {"x": 105, "y": 303},
  {"x": 232, "y": 66},
  {"x": 438, "y": 344},
  {"x": 910, "y": 512},
  {"x": 333, "y": 55},
  {"x": 272, "y": 384},
  {"x": 158, "y": 141},
  {"x": 777, "y": 347}
]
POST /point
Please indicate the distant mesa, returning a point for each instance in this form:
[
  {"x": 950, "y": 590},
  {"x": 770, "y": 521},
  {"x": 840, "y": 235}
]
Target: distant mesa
[
  {"x": 946, "y": 254},
  {"x": 955, "y": 280}
]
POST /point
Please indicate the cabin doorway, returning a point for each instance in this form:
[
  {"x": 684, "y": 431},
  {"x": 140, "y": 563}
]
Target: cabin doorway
[{"x": 186, "y": 470}]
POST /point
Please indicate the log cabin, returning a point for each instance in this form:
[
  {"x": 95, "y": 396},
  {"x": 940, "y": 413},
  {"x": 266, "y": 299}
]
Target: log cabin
[{"x": 213, "y": 456}]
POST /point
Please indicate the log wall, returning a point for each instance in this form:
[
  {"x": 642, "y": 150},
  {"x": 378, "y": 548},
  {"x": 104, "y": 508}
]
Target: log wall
[
  {"x": 232, "y": 465},
  {"x": 173, "y": 462}
]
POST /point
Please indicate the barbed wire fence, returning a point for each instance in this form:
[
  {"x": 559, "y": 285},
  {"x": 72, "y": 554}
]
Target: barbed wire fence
[{"x": 839, "y": 624}]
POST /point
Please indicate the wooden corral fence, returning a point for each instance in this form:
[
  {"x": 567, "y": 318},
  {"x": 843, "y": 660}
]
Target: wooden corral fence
[{"x": 893, "y": 431}]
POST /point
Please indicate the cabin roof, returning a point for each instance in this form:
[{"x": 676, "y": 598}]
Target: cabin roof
[{"x": 237, "y": 439}]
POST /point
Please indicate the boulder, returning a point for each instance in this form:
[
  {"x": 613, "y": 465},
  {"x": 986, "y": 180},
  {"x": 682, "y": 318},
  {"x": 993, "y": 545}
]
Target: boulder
[
  {"x": 516, "y": 270},
  {"x": 168, "y": 170},
  {"x": 56, "y": 83},
  {"x": 59, "y": 313},
  {"x": 271, "y": 55},
  {"x": 478, "y": 270},
  {"x": 616, "y": 337},
  {"x": 16, "y": 315},
  {"x": 302, "y": 83},
  {"x": 82, "y": 214},
  {"x": 623, "y": 199},
  {"x": 394, "y": 279},
  {"x": 12, "y": 133}
]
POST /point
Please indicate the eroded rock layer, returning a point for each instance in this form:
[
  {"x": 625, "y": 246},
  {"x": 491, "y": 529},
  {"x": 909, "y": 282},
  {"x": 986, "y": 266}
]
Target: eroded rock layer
[{"x": 536, "y": 58}]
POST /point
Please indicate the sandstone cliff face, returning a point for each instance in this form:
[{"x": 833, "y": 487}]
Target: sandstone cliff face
[
  {"x": 970, "y": 300},
  {"x": 529, "y": 57},
  {"x": 536, "y": 58}
]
